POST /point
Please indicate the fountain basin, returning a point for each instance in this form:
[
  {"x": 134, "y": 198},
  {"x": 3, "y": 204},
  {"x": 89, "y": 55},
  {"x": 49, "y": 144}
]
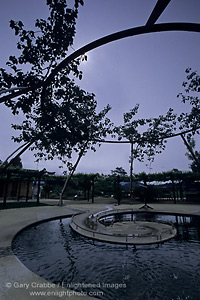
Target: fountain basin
[{"x": 130, "y": 232}]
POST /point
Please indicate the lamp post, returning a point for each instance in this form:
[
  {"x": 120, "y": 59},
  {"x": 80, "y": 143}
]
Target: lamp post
[{"x": 131, "y": 173}]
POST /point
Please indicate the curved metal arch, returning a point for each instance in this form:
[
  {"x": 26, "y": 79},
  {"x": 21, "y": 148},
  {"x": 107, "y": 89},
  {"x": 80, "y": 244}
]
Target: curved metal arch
[
  {"x": 162, "y": 27},
  {"x": 161, "y": 138}
]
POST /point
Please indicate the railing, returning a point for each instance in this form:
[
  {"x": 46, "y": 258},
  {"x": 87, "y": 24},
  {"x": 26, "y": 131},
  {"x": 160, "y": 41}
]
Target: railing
[{"x": 95, "y": 234}]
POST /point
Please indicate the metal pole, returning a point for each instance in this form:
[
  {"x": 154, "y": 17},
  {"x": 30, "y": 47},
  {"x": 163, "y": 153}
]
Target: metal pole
[
  {"x": 92, "y": 188},
  {"x": 131, "y": 173}
]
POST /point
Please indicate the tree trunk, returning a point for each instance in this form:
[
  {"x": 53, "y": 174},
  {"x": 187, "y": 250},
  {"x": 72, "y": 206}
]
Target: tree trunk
[
  {"x": 88, "y": 193},
  {"x": 70, "y": 176},
  {"x": 145, "y": 192},
  {"x": 181, "y": 190},
  {"x": 19, "y": 190},
  {"x": 173, "y": 190},
  {"x": 85, "y": 188},
  {"x": 92, "y": 187},
  {"x": 27, "y": 190},
  {"x": 6, "y": 164},
  {"x": 38, "y": 191},
  {"x": 191, "y": 151},
  {"x": 118, "y": 190},
  {"x": 6, "y": 189}
]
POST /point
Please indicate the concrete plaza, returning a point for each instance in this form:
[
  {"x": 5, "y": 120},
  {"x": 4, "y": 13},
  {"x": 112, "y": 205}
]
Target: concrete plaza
[{"x": 16, "y": 281}]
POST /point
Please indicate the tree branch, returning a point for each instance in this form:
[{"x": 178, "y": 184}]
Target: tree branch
[{"x": 26, "y": 146}]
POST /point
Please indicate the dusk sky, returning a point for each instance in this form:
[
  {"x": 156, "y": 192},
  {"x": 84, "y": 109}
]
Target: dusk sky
[{"x": 147, "y": 69}]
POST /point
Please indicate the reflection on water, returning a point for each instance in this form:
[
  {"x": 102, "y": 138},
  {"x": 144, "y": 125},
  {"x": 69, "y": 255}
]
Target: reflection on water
[{"x": 116, "y": 272}]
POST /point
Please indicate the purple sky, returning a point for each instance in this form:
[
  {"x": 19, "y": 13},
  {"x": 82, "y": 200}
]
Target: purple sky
[{"x": 147, "y": 69}]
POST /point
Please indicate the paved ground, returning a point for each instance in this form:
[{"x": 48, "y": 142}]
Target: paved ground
[{"x": 16, "y": 281}]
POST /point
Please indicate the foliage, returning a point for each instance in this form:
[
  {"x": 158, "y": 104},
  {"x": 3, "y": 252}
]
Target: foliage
[
  {"x": 191, "y": 119},
  {"x": 80, "y": 184},
  {"x": 59, "y": 116},
  {"x": 194, "y": 167},
  {"x": 42, "y": 50},
  {"x": 163, "y": 176},
  {"x": 106, "y": 185},
  {"x": 16, "y": 162},
  {"x": 147, "y": 134},
  {"x": 119, "y": 171},
  {"x": 192, "y": 88}
]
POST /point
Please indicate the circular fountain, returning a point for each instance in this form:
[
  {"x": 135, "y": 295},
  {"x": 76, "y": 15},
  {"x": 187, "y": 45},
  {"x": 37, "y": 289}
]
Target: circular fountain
[
  {"x": 112, "y": 270},
  {"x": 119, "y": 226}
]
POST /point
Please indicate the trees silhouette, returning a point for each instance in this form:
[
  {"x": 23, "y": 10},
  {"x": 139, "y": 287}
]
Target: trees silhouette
[
  {"x": 191, "y": 119},
  {"x": 59, "y": 117}
]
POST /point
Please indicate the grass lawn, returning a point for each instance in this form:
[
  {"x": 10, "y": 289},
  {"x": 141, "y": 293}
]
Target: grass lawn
[{"x": 10, "y": 205}]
